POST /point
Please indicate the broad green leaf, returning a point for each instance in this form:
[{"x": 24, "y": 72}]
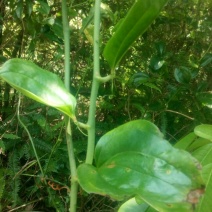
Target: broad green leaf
[
  {"x": 205, "y": 203},
  {"x": 92, "y": 182},
  {"x": 138, "y": 19},
  {"x": 198, "y": 142},
  {"x": 204, "y": 154},
  {"x": 135, "y": 160},
  {"x": 186, "y": 141},
  {"x": 204, "y": 131},
  {"x": 38, "y": 84}
]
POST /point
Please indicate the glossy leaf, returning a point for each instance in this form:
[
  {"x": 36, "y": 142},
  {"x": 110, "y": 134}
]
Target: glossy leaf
[
  {"x": 156, "y": 63},
  {"x": 182, "y": 75},
  {"x": 138, "y": 19},
  {"x": 38, "y": 84},
  {"x": 204, "y": 131},
  {"x": 135, "y": 160}
]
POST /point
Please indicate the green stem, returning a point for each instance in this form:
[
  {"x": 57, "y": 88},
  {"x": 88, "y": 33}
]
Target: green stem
[
  {"x": 72, "y": 162},
  {"x": 95, "y": 86},
  {"x": 66, "y": 34},
  {"x": 30, "y": 138}
]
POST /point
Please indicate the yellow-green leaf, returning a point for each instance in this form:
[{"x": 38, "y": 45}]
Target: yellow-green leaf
[{"x": 38, "y": 84}]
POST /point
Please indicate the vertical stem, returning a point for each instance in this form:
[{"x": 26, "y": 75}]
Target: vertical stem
[
  {"x": 66, "y": 34},
  {"x": 95, "y": 85},
  {"x": 72, "y": 162}
]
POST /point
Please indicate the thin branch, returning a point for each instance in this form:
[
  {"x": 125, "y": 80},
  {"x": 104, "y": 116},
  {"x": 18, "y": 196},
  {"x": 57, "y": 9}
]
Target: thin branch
[{"x": 172, "y": 111}]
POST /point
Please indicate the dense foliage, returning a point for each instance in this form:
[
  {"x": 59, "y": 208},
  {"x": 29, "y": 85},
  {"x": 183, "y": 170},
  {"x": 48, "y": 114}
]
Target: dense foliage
[{"x": 165, "y": 77}]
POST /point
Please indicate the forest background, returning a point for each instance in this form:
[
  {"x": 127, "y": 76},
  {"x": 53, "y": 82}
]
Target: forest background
[{"x": 165, "y": 78}]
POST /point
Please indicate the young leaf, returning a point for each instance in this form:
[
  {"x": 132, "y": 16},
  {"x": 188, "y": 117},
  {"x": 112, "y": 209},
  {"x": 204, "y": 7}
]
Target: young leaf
[
  {"x": 204, "y": 131},
  {"x": 138, "y": 19},
  {"x": 38, "y": 84},
  {"x": 135, "y": 160}
]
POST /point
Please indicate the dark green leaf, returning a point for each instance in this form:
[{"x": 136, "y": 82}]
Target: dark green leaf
[
  {"x": 182, "y": 75},
  {"x": 160, "y": 47},
  {"x": 205, "y": 98},
  {"x": 29, "y": 5},
  {"x": 156, "y": 63},
  {"x": 207, "y": 59},
  {"x": 139, "y": 78},
  {"x": 19, "y": 9},
  {"x": 153, "y": 86},
  {"x": 2, "y": 183},
  {"x": 57, "y": 27},
  {"x": 38, "y": 84},
  {"x": 44, "y": 8},
  {"x": 138, "y": 19}
]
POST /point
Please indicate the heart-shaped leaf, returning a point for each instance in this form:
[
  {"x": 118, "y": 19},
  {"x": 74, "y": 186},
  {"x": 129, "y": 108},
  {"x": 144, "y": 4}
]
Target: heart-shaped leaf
[
  {"x": 135, "y": 160},
  {"x": 138, "y": 19},
  {"x": 38, "y": 84}
]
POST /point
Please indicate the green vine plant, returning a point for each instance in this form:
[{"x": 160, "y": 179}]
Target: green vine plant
[{"x": 133, "y": 162}]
